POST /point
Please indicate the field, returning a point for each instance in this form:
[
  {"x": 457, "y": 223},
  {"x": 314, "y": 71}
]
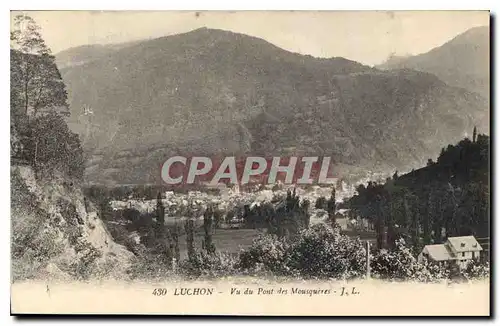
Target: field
[
  {"x": 232, "y": 240},
  {"x": 225, "y": 240}
]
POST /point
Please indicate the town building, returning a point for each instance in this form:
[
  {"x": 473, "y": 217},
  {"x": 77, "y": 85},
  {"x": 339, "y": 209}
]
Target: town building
[{"x": 456, "y": 250}]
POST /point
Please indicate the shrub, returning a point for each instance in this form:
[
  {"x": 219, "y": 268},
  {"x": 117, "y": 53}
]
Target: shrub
[
  {"x": 476, "y": 270},
  {"x": 204, "y": 264},
  {"x": 85, "y": 266},
  {"x": 32, "y": 249},
  {"x": 318, "y": 252},
  {"x": 131, "y": 214},
  {"x": 33, "y": 244},
  {"x": 69, "y": 212},
  {"x": 400, "y": 265},
  {"x": 323, "y": 252},
  {"x": 147, "y": 265},
  {"x": 21, "y": 197},
  {"x": 267, "y": 253}
]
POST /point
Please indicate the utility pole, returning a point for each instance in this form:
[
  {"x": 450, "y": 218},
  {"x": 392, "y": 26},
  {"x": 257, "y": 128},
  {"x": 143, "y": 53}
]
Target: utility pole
[{"x": 368, "y": 259}]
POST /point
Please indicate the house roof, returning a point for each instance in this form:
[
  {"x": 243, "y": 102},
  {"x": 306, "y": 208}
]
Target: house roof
[
  {"x": 467, "y": 243},
  {"x": 438, "y": 252}
]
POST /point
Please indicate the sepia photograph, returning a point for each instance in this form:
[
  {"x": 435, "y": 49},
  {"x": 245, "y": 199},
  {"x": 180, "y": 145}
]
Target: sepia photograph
[{"x": 250, "y": 163}]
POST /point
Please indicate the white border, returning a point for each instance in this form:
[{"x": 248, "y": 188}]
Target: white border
[{"x": 191, "y": 5}]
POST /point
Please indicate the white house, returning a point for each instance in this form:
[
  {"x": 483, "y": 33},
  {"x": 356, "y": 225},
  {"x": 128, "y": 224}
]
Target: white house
[{"x": 459, "y": 250}]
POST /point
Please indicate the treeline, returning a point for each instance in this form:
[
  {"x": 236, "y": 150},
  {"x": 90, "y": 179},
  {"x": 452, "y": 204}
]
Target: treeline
[
  {"x": 40, "y": 136},
  {"x": 158, "y": 246},
  {"x": 319, "y": 252},
  {"x": 449, "y": 197},
  {"x": 281, "y": 216}
]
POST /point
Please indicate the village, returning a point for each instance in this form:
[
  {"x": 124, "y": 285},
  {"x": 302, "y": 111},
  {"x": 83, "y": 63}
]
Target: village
[{"x": 231, "y": 234}]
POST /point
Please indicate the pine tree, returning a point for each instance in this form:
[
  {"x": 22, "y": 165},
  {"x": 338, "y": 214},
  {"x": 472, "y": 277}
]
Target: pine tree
[
  {"x": 169, "y": 247},
  {"x": 415, "y": 223},
  {"x": 453, "y": 223},
  {"x": 306, "y": 218},
  {"x": 331, "y": 207},
  {"x": 161, "y": 234},
  {"x": 189, "y": 227},
  {"x": 390, "y": 222},
  {"x": 207, "y": 226},
  {"x": 381, "y": 223},
  {"x": 434, "y": 215},
  {"x": 160, "y": 211},
  {"x": 427, "y": 218},
  {"x": 320, "y": 203},
  {"x": 218, "y": 218},
  {"x": 407, "y": 212},
  {"x": 175, "y": 240},
  {"x": 379, "y": 231}
]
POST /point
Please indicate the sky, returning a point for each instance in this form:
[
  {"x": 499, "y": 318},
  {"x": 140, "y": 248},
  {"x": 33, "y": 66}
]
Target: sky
[{"x": 366, "y": 37}]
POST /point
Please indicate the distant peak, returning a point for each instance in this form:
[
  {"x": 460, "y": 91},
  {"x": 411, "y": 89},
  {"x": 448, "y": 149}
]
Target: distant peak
[
  {"x": 473, "y": 33},
  {"x": 478, "y": 29},
  {"x": 208, "y": 30},
  {"x": 201, "y": 29}
]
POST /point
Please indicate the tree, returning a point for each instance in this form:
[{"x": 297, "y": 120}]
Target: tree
[
  {"x": 306, "y": 218},
  {"x": 331, "y": 205},
  {"x": 407, "y": 211},
  {"x": 163, "y": 237},
  {"x": 427, "y": 218},
  {"x": 438, "y": 221},
  {"x": 36, "y": 86},
  {"x": 320, "y": 203},
  {"x": 50, "y": 145},
  {"x": 207, "y": 226},
  {"x": 320, "y": 252},
  {"x": 175, "y": 240},
  {"x": 450, "y": 194},
  {"x": 160, "y": 211},
  {"x": 218, "y": 218},
  {"x": 189, "y": 227},
  {"x": 452, "y": 224},
  {"x": 380, "y": 227},
  {"x": 36, "y": 83},
  {"x": 415, "y": 223}
]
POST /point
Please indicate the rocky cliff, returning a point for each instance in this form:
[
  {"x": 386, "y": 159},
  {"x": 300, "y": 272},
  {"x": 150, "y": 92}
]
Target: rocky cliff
[{"x": 57, "y": 234}]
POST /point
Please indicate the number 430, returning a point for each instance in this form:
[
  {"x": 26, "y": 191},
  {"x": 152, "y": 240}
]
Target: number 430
[{"x": 159, "y": 291}]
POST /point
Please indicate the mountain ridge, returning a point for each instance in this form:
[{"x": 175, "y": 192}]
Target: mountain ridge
[
  {"x": 217, "y": 92},
  {"x": 463, "y": 61}
]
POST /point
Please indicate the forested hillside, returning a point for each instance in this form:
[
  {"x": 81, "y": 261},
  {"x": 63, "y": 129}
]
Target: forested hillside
[{"x": 448, "y": 197}]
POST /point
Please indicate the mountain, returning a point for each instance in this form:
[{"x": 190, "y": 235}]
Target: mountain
[
  {"x": 461, "y": 62},
  {"x": 210, "y": 92},
  {"x": 86, "y": 53}
]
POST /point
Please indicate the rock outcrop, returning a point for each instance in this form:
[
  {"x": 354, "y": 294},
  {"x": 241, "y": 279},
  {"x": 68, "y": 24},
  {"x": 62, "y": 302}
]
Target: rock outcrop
[{"x": 57, "y": 234}]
